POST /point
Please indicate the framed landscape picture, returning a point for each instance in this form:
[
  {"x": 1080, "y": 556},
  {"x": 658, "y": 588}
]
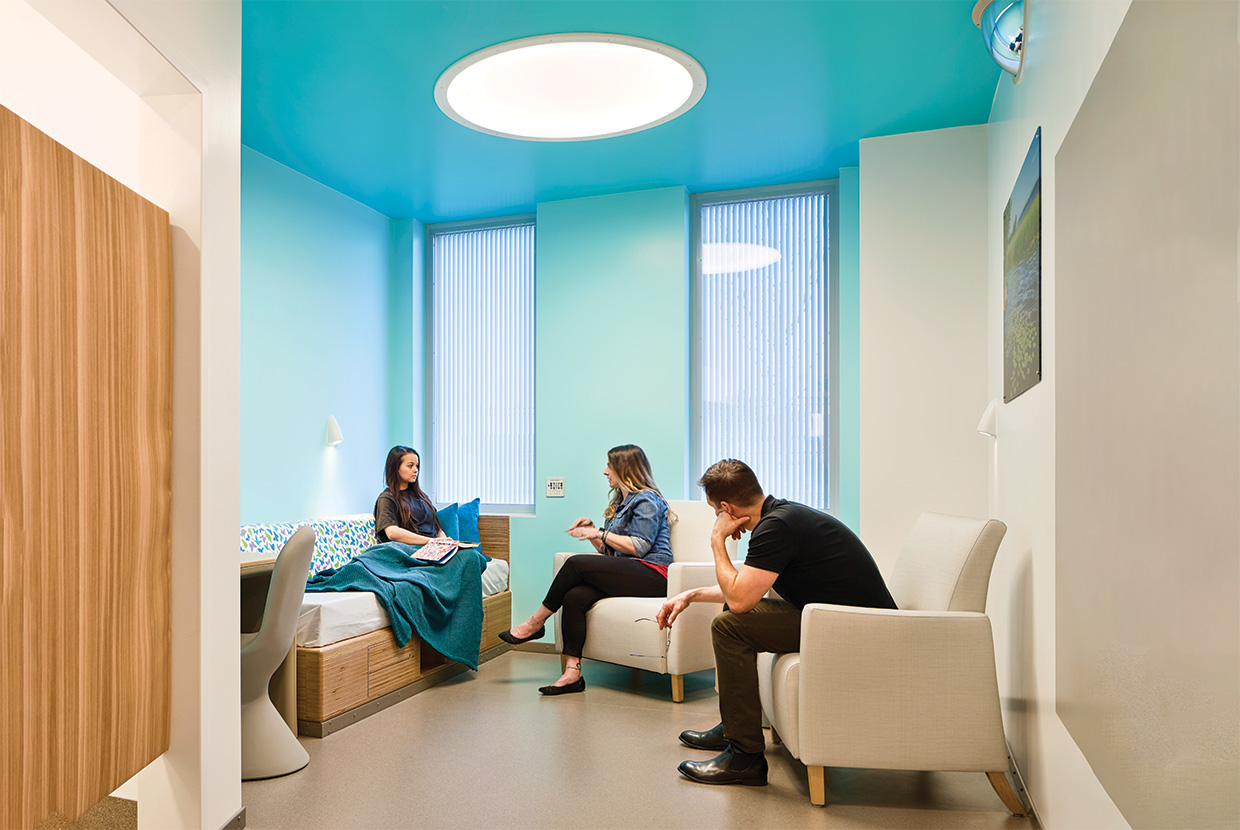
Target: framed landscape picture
[{"x": 1022, "y": 277}]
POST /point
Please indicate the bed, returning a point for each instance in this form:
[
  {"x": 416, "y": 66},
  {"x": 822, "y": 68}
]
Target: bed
[{"x": 349, "y": 665}]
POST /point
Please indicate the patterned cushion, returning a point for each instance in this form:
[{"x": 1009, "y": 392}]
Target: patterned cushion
[{"x": 337, "y": 540}]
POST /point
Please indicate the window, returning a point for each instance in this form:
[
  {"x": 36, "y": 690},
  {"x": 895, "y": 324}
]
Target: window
[
  {"x": 481, "y": 397},
  {"x": 763, "y": 282}
]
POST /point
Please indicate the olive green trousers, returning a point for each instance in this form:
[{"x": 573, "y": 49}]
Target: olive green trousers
[{"x": 771, "y": 625}]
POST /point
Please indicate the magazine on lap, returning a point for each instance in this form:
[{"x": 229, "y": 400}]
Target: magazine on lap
[{"x": 441, "y": 550}]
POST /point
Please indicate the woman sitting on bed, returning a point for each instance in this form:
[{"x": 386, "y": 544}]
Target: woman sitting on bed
[
  {"x": 403, "y": 513},
  {"x": 635, "y": 543}
]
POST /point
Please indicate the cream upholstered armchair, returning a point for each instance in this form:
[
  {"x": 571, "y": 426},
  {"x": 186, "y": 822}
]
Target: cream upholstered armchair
[
  {"x": 622, "y": 630},
  {"x": 910, "y": 689}
]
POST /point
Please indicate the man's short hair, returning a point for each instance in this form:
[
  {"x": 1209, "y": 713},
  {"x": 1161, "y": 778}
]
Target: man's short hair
[{"x": 731, "y": 481}]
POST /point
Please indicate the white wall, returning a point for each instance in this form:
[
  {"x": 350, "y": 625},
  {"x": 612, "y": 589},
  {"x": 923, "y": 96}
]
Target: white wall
[
  {"x": 1067, "y": 43},
  {"x": 923, "y": 331},
  {"x": 156, "y": 134},
  {"x": 200, "y": 784}
]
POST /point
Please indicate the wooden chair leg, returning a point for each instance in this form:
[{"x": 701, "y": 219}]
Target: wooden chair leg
[
  {"x": 775, "y": 739},
  {"x": 678, "y": 688},
  {"x": 563, "y": 664},
  {"x": 817, "y": 786},
  {"x": 1004, "y": 790}
]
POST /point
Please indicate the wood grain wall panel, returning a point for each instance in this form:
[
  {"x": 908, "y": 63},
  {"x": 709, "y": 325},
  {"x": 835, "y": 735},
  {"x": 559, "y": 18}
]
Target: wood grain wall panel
[
  {"x": 85, "y": 380},
  {"x": 12, "y": 610},
  {"x": 493, "y": 533}
]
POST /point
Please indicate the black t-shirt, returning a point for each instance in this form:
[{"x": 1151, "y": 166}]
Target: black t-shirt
[
  {"x": 817, "y": 557},
  {"x": 387, "y": 515}
]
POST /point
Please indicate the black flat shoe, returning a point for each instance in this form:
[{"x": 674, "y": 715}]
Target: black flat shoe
[
  {"x": 711, "y": 739},
  {"x": 728, "y": 767},
  {"x": 507, "y": 636},
  {"x": 579, "y": 685}
]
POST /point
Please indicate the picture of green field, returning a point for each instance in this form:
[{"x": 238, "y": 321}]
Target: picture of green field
[{"x": 1022, "y": 277}]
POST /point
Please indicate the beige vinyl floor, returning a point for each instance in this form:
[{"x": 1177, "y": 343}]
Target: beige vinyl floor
[{"x": 487, "y": 751}]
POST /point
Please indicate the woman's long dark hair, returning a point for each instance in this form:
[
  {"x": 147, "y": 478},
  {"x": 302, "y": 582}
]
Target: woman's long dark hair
[{"x": 391, "y": 477}]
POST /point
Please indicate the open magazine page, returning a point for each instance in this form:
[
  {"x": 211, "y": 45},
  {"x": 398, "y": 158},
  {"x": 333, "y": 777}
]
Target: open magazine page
[
  {"x": 441, "y": 550},
  {"x": 436, "y": 550}
]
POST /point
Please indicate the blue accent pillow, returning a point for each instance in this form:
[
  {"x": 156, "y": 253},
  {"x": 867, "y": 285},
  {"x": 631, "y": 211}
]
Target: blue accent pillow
[
  {"x": 448, "y": 521},
  {"x": 467, "y": 515}
]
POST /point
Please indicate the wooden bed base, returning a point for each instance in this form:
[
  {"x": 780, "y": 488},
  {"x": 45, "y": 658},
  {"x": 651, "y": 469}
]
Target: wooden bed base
[{"x": 343, "y": 682}]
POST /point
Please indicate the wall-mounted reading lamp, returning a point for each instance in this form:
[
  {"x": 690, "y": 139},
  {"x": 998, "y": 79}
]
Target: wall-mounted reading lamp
[
  {"x": 989, "y": 425},
  {"x": 1003, "y": 27},
  {"x": 334, "y": 435}
]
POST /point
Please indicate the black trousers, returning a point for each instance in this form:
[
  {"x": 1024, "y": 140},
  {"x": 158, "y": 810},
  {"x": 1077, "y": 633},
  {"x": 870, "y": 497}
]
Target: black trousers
[{"x": 585, "y": 579}]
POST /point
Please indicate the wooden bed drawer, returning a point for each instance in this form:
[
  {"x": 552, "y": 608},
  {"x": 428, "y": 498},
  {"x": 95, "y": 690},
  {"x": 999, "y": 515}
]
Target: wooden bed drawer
[
  {"x": 391, "y": 666},
  {"x": 336, "y": 678},
  {"x": 496, "y": 617},
  {"x": 333, "y": 678}
]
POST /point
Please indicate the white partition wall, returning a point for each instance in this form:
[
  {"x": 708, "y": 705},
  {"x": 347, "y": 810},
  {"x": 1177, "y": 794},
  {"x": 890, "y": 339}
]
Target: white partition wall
[{"x": 923, "y": 331}]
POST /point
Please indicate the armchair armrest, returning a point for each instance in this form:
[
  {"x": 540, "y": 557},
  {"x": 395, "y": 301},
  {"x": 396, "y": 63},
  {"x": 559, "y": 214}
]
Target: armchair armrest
[
  {"x": 681, "y": 576},
  {"x": 887, "y": 689}
]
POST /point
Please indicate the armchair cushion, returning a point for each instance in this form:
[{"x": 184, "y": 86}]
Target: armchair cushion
[
  {"x": 779, "y": 691},
  {"x": 944, "y": 564}
]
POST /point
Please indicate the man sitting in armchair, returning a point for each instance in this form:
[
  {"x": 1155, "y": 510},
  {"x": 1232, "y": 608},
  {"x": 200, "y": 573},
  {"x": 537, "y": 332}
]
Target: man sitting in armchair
[{"x": 806, "y": 556}]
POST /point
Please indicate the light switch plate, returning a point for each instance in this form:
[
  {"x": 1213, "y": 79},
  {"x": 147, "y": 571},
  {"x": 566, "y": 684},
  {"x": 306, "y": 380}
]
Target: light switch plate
[{"x": 555, "y": 488}]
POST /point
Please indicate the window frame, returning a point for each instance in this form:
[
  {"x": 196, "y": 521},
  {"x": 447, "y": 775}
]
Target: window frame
[
  {"x": 830, "y": 188},
  {"x": 428, "y": 344}
]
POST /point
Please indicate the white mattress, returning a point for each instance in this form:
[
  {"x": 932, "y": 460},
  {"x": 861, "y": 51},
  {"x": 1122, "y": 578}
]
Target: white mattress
[{"x": 331, "y": 617}]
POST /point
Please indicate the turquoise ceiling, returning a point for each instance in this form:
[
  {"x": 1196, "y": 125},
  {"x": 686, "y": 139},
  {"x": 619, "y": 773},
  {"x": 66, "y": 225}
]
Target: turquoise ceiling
[{"x": 344, "y": 93}]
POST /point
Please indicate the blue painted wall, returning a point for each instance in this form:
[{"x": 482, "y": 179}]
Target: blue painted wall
[
  {"x": 316, "y": 340},
  {"x": 406, "y": 330},
  {"x": 848, "y": 505},
  {"x": 611, "y": 360}
]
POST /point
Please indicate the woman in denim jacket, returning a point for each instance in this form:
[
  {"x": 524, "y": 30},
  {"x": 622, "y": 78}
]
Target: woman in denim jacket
[{"x": 634, "y": 541}]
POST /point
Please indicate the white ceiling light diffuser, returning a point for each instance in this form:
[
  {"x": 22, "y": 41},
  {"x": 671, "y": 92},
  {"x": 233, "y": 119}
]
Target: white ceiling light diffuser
[
  {"x": 570, "y": 87},
  {"x": 735, "y": 257}
]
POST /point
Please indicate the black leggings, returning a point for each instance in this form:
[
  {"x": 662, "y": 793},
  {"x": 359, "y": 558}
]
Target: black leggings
[{"x": 585, "y": 579}]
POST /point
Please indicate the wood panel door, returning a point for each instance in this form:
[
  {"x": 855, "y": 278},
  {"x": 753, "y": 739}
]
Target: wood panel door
[{"x": 85, "y": 479}]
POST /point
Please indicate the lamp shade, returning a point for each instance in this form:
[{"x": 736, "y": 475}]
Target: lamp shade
[
  {"x": 334, "y": 435},
  {"x": 989, "y": 425}
]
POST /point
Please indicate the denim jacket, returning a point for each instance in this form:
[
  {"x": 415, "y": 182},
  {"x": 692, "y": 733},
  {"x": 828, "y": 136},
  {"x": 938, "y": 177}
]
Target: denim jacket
[{"x": 643, "y": 516}]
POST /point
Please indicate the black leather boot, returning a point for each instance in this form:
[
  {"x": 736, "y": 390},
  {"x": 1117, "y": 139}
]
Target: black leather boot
[
  {"x": 711, "y": 739},
  {"x": 728, "y": 767}
]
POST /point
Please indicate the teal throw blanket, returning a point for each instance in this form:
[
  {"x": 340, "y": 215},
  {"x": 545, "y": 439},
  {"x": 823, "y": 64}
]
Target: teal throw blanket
[{"x": 441, "y": 602}]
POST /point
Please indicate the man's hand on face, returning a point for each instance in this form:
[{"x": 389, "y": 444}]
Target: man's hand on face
[{"x": 728, "y": 525}]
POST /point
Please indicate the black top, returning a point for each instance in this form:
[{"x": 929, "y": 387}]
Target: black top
[
  {"x": 387, "y": 515},
  {"x": 817, "y": 557}
]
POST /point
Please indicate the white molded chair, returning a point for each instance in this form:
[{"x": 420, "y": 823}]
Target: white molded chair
[
  {"x": 910, "y": 689},
  {"x": 622, "y": 630},
  {"x": 268, "y": 747}
]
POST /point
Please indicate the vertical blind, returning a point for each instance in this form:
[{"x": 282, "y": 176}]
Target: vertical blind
[
  {"x": 482, "y": 368},
  {"x": 763, "y": 345}
]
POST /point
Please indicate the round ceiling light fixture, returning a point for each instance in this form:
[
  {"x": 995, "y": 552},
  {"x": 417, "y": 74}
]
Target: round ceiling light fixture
[{"x": 570, "y": 87}]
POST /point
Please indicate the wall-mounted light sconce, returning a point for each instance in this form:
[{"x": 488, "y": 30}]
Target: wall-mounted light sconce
[
  {"x": 334, "y": 435},
  {"x": 1003, "y": 27},
  {"x": 989, "y": 425}
]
